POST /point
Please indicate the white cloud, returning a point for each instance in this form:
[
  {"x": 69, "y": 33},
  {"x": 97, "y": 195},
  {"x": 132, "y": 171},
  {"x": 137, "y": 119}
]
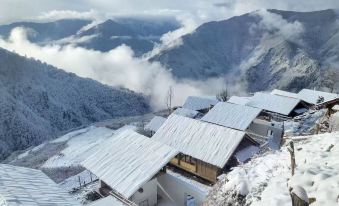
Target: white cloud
[
  {"x": 117, "y": 67},
  {"x": 275, "y": 25},
  {"x": 70, "y": 14}
]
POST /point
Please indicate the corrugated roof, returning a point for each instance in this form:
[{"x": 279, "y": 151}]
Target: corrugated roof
[
  {"x": 232, "y": 115},
  {"x": 128, "y": 161},
  {"x": 21, "y": 186},
  {"x": 155, "y": 123},
  {"x": 285, "y": 93},
  {"x": 186, "y": 112},
  {"x": 238, "y": 100},
  {"x": 312, "y": 96},
  {"x": 273, "y": 103},
  {"x": 199, "y": 103},
  {"x": 207, "y": 142},
  {"x": 107, "y": 201}
]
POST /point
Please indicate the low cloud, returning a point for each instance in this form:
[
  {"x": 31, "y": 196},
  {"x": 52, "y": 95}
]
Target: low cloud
[
  {"x": 117, "y": 67},
  {"x": 173, "y": 39},
  {"x": 69, "y": 14},
  {"x": 276, "y": 26},
  {"x": 274, "y": 30}
]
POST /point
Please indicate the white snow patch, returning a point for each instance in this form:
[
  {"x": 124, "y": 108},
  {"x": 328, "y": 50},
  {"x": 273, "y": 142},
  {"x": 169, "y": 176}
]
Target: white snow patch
[{"x": 264, "y": 180}]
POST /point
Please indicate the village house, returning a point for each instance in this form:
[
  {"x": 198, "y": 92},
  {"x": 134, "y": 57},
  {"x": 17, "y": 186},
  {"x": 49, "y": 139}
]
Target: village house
[
  {"x": 206, "y": 150},
  {"x": 154, "y": 125},
  {"x": 315, "y": 97},
  {"x": 249, "y": 119},
  {"x": 128, "y": 166},
  {"x": 200, "y": 104},
  {"x": 187, "y": 112},
  {"x": 232, "y": 115},
  {"x": 311, "y": 98},
  {"x": 285, "y": 93},
  {"x": 20, "y": 186},
  {"x": 277, "y": 107},
  {"x": 238, "y": 100}
]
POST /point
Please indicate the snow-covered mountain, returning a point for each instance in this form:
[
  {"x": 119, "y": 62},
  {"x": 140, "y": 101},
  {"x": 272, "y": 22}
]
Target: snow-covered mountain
[
  {"x": 140, "y": 34},
  {"x": 38, "y": 102},
  {"x": 288, "y": 50}
]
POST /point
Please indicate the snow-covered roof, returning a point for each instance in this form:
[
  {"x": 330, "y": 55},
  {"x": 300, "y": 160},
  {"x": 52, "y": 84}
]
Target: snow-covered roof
[
  {"x": 232, "y": 115},
  {"x": 312, "y": 96},
  {"x": 210, "y": 143},
  {"x": 20, "y": 186},
  {"x": 285, "y": 93},
  {"x": 186, "y": 112},
  {"x": 107, "y": 201},
  {"x": 273, "y": 103},
  {"x": 239, "y": 100},
  {"x": 155, "y": 123},
  {"x": 199, "y": 103},
  {"x": 128, "y": 161}
]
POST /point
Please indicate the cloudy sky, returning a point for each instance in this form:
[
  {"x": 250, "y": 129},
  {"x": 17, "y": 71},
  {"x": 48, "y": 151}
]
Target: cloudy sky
[{"x": 202, "y": 10}]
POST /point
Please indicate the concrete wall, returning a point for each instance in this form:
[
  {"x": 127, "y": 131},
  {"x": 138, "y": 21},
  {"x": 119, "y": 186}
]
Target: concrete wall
[
  {"x": 178, "y": 190},
  {"x": 148, "y": 195}
]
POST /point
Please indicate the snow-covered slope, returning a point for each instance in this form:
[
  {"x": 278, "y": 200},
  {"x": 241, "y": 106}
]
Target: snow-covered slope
[
  {"x": 289, "y": 50},
  {"x": 38, "y": 102},
  {"x": 264, "y": 180}
]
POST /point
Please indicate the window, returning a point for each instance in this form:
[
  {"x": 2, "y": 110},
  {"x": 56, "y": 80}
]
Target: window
[{"x": 269, "y": 133}]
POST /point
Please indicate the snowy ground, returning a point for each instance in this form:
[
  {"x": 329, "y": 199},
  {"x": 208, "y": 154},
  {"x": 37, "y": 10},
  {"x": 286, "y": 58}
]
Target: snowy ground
[
  {"x": 265, "y": 180},
  {"x": 80, "y": 180}
]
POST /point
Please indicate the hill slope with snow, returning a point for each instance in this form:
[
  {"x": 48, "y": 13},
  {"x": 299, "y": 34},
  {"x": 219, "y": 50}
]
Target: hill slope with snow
[
  {"x": 38, "y": 102},
  {"x": 264, "y": 181},
  {"x": 288, "y": 50}
]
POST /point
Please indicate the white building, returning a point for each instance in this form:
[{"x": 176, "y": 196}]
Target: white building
[
  {"x": 20, "y": 186},
  {"x": 200, "y": 104},
  {"x": 128, "y": 165}
]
